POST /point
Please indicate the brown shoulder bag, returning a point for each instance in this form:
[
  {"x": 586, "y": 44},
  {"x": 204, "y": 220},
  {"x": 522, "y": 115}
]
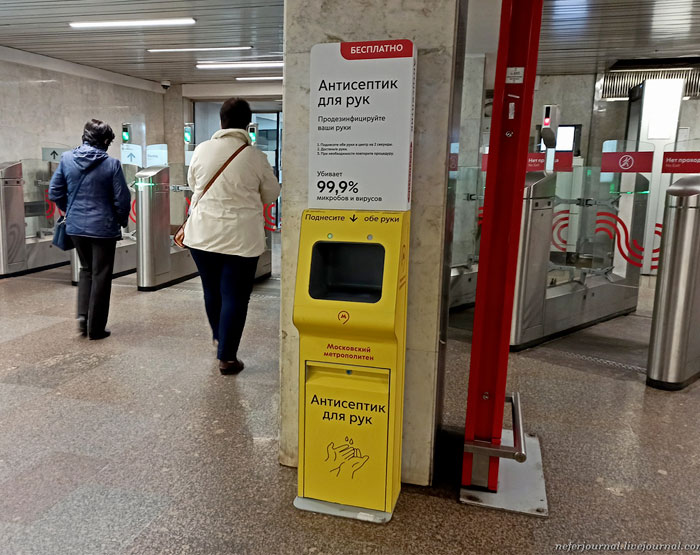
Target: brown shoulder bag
[{"x": 179, "y": 238}]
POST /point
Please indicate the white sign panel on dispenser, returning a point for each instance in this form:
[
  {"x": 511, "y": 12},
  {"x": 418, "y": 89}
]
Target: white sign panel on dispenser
[{"x": 361, "y": 125}]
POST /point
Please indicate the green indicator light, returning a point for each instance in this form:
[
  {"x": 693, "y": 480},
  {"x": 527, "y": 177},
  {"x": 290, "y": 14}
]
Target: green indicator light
[
  {"x": 125, "y": 136},
  {"x": 330, "y": 236},
  {"x": 188, "y": 136},
  {"x": 588, "y": 173},
  {"x": 252, "y": 136}
]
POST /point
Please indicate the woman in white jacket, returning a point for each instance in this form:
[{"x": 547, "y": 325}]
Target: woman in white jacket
[{"x": 225, "y": 231}]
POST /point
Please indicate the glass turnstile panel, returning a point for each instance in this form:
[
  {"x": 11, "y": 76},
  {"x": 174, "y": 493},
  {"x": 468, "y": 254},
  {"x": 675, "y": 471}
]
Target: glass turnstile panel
[
  {"x": 467, "y": 227},
  {"x": 180, "y": 196},
  {"x": 40, "y": 213},
  {"x": 598, "y": 226}
]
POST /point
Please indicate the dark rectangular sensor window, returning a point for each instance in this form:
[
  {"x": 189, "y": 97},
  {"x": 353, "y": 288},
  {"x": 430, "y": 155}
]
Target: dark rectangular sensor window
[{"x": 347, "y": 272}]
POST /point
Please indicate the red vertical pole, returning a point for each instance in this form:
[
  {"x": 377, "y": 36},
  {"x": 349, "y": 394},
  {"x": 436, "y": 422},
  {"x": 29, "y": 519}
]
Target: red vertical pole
[{"x": 507, "y": 163}]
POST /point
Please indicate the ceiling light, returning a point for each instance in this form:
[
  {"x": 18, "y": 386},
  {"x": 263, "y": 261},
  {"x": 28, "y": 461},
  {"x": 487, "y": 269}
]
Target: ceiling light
[
  {"x": 133, "y": 23},
  {"x": 220, "y": 49},
  {"x": 652, "y": 69},
  {"x": 278, "y": 78},
  {"x": 240, "y": 65},
  {"x": 239, "y": 59}
]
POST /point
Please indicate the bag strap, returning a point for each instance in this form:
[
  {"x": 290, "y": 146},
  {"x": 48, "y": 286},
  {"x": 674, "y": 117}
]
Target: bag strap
[
  {"x": 218, "y": 173},
  {"x": 75, "y": 193}
]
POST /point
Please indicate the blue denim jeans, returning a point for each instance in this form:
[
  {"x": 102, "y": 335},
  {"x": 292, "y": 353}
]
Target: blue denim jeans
[{"x": 227, "y": 281}]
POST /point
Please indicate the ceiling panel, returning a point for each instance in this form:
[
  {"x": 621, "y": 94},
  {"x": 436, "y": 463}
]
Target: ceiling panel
[
  {"x": 578, "y": 36},
  {"x": 586, "y": 36},
  {"x": 41, "y": 27}
]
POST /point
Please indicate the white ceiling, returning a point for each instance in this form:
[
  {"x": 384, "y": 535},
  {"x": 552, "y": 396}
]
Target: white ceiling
[
  {"x": 41, "y": 27},
  {"x": 578, "y": 36},
  {"x": 585, "y": 36}
]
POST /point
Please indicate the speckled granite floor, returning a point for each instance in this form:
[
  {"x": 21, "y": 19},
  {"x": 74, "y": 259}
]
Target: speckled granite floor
[{"x": 136, "y": 444}]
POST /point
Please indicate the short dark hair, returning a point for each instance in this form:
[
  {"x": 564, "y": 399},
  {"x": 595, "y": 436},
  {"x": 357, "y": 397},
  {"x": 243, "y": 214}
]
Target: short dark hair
[
  {"x": 235, "y": 114},
  {"x": 98, "y": 134}
]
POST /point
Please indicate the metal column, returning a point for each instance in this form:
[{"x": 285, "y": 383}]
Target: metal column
[
  {"x": 510, "y": 132},
  {"x": 674, "y": 352},
  {"x": 13, "y": 254},
  {"x": 159, "y": 262}
]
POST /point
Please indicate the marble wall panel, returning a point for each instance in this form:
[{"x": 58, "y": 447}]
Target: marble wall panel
[
  {"x": 472, "y": 110},
  {"x": 690, "y": 117},
  {"x": 431, "y": 25},
  {"x": 39, "y": 108}
]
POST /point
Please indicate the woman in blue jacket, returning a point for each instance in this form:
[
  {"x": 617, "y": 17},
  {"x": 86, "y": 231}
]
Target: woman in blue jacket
[{"x": 92, "y": 184}]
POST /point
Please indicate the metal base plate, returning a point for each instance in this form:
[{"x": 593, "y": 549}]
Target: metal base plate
[
  {"x": 327, "y": 508},
  {"x": 520, "y": 485}
]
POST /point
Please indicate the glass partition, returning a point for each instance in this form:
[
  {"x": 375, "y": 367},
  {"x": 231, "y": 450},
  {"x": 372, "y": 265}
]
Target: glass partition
[
  {"x": 40, "y": 213},
  {"x": 467, "y": 230},
  {"x": 598, "y": 221},
  {"x": 269, "y": 140},
  {"x": 180, "y": 196}
]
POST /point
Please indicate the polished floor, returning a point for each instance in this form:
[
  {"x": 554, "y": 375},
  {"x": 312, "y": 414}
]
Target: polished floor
[{"x": 137, "y": 445}]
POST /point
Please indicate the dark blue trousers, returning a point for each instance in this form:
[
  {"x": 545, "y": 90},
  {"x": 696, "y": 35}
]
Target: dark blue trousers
[{"x": 227, "y": 281}]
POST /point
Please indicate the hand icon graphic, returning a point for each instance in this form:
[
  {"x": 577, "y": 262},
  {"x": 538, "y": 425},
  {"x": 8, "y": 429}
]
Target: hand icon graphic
[{"x": 345, "y": 459}]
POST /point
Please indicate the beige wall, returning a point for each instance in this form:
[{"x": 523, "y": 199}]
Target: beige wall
[
  {"x": 39, "y": 107},
  {"x": 432, "y": 27},
  {"x": 609, "y": 122},
  {"x": 690, "y": 117}
]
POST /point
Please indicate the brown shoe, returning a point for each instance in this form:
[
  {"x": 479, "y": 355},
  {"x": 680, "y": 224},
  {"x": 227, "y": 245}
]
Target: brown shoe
[{"x": 230, "y": 367}]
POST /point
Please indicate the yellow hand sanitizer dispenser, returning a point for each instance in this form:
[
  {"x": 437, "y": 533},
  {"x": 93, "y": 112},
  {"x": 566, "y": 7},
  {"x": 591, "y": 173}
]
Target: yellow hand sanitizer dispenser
[{"x": 350, "y": 310}]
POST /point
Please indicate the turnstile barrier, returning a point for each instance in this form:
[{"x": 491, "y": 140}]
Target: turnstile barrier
[
  {"x": 674, "y": 351},
  {"x": 27, "y": 218},
  {"x": 159, "y": 261}
]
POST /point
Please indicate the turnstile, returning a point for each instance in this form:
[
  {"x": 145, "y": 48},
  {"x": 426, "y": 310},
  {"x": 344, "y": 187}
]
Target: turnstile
[
  {"x": 674, "y": 352},
  {"x": 13, "y": 257},
  {"x": 599, "y": 282},
  {"x": 27, "y": 218},
  {"x": 125, "y": 255},
  {"x": 159, "y": 261}
]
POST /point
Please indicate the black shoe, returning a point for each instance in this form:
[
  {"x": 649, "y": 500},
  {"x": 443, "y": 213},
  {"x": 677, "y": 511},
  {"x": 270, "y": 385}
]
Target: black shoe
[
  {"x": 82, "y": 325},
  {"x": 100, "y": 335},
  {"x": 231, "y": 367}
]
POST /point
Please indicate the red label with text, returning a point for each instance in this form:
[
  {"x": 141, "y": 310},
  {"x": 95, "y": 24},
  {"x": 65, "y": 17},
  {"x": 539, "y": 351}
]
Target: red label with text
[
  {"x": 376, "y": 49},
  {"x": 681, "y": 162},
  {"x": 563, "y": 161},
  {"x": 627, "y": 162}
]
